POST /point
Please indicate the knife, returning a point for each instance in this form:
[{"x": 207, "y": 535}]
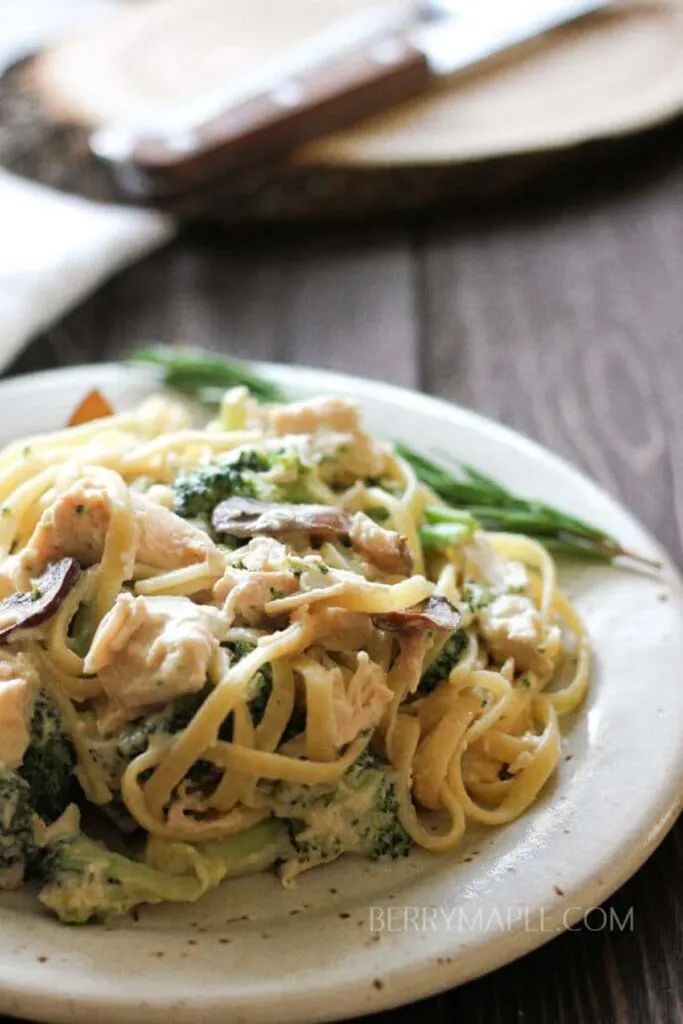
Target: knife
[{"x": 356, "y": 68}]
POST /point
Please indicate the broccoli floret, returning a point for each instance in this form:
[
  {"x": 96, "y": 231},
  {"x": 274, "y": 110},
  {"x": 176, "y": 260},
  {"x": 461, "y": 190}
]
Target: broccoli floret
[
  {"x": 39, "y": 786},
  {"x": 278, "y": 474},
  {"x": 84, "y": 880},
  {"x": 17, "y": 843},
  {"x": 244, "y": 853},
  {"x": 134, "y": 737},
  {"x": 442, "y": 667},
  {"x": 259, "y": 687},
  {"x": 48, "y": 764},
  {"x": 115, "y": 753},
  {"x": 289, "y": 478},
  {"x": 296, "y": 724},
  {"x": 357, "y": 815},
  {"x": 81, "y": 630},
  {"x": 197, "y": 493}
]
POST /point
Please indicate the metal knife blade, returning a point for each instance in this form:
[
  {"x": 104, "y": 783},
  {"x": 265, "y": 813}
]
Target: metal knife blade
[
  {"x": 381, "y": 57},
  {"x": 457, "y": 34}
]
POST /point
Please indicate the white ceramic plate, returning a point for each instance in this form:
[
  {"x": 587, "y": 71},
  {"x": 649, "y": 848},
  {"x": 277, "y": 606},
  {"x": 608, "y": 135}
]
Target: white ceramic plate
[{"x": 331, "y": 948}]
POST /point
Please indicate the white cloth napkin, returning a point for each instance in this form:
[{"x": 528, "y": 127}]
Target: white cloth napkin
[{"x": 54, "y": 248}]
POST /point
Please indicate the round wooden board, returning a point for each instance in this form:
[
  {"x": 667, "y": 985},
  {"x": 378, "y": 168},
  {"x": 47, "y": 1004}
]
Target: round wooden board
[{"x": 611, "y": 74}]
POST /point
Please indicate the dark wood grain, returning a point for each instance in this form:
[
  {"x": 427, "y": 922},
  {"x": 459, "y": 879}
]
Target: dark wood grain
[{"x": 572, "y": 297}]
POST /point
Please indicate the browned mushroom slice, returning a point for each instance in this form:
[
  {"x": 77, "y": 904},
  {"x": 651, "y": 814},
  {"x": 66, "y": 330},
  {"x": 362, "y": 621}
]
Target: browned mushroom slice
[
  {"x": 29, "y": 608},
  {"x": 246, "y": 517},
  {"x": 434, "y": 613}
]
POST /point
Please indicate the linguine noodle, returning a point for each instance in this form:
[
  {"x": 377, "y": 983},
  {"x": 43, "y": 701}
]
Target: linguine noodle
[{"x": 470, "y": 729}]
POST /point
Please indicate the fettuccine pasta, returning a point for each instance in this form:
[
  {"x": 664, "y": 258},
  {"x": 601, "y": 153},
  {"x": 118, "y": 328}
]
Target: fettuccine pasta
[{"x": 248, "y": 631}]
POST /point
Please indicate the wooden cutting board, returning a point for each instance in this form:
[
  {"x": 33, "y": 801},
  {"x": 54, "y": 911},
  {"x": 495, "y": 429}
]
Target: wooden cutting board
[{"x": 610, "y": 74}]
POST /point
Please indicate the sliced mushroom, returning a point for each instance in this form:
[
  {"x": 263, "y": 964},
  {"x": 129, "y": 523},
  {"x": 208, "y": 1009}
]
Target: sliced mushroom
[
  {"x": 32, "y": 607},
  {"x": 434, "y": 613},
  {"x": 246, "y": 517}
]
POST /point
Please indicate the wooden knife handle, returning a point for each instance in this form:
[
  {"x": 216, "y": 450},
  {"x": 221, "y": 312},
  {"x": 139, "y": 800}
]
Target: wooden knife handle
[{"x": 296, "y": 110}]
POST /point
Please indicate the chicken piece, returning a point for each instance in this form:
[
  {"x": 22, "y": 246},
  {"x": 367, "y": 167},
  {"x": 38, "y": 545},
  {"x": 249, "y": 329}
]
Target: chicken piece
[
  {"x": 409, "y": 665},
  {"x": 264, "y": 554},
  {"x": 246, "y": 594},
  {"x": 150, "y": 649},
  {"x": 343, "y": 459},
  {"x": 360, "y": 704},
  {"x": 343, "y": 630},
  {"x": 18, "y": 684},
  {"x": 386, "y": 549},
  {"x": 330, "y": 412},
  {"x": 486, "y": 567},
  {"x": 513, "y": 627},
  {"x": 76, "y": 525},
  {"x": 268, "y": 576},
  {"x": 341, "y": 447},
  {"x": 166, "y": 540}
]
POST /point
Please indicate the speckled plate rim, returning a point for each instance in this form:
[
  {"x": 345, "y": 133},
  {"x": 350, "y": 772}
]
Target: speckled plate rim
[{"x": 98, "y": 976}]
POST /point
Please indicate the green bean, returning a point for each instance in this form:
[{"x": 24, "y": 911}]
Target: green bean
[
  {"x": 436, "y": 536},
  {"x": 495, "y": 508},
  {"x": 439, "y": 514},
  {"x": 473, "y": 497},
  {"x": 205, "y": 376}
]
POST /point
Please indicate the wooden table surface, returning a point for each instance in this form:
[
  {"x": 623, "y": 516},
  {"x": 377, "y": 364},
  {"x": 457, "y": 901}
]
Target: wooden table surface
[{"x": 558, "y": 312}]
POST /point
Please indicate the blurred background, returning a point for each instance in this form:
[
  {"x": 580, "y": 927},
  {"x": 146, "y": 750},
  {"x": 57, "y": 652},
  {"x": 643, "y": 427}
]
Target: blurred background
[{"x": 390, "y": 190}]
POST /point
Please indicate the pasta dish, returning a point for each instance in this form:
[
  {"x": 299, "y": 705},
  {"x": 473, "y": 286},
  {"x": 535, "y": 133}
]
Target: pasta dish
[{"x": 258, "y": 644}]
